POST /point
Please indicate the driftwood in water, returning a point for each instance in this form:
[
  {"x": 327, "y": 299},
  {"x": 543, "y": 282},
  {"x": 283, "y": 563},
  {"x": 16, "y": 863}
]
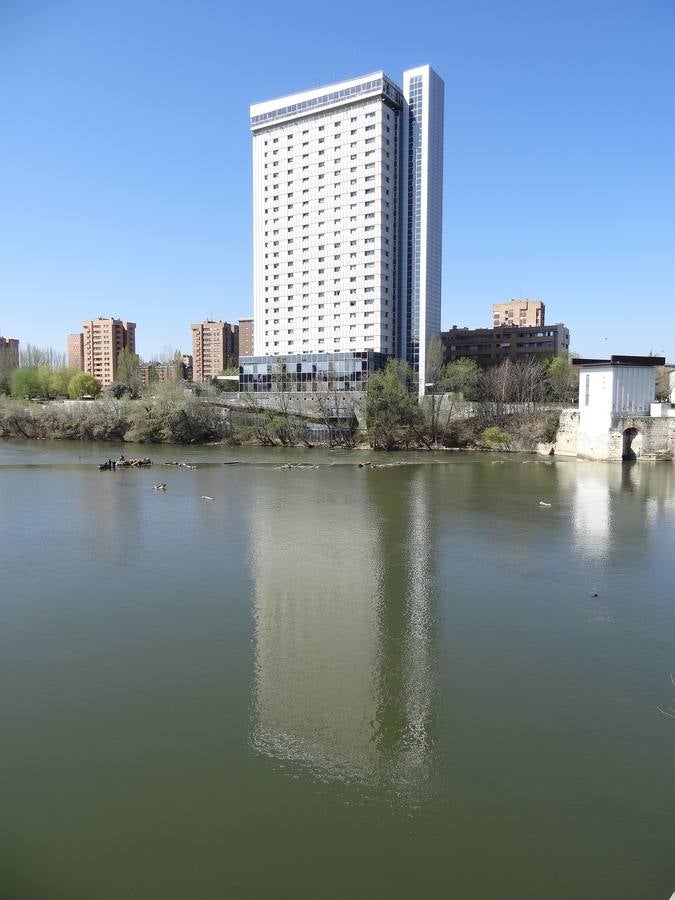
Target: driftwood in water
[{"x": 133, "y": 463}]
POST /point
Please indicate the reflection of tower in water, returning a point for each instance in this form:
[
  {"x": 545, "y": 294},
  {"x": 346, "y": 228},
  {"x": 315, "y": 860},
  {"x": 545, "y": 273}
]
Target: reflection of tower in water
[
  {"x": 613, "y": 501},
  {"x": 406, "y": 671},
  {"x": 343, "y": 659},
  {"x": 592, "y": 520}
]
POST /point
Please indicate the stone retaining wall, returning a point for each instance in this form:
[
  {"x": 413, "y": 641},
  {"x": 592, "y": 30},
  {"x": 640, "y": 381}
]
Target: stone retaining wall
[
  {"x": 566, "y": 438},
  {"x": 655, "y": 438}
]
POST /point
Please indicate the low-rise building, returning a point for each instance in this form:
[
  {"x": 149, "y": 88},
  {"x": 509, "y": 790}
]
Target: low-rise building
[
  {"x": 490, "y": 346},
  {"x": 151, "y": 372},
  {"x": 310, "y": 373}
]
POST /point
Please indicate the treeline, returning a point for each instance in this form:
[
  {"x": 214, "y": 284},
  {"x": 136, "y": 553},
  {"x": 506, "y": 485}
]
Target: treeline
[
  {"x": 513, "y": 405},
  {"x": 46, "y": 383},
  {"x": 170, "y": 415},
  {"x": 42, "y": 374}
]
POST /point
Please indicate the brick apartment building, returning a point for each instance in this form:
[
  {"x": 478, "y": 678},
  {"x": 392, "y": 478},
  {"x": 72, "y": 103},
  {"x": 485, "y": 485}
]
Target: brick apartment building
[
  {"x": 76, "y": 350},
  {"x": 246, "y": 336},
  {"x": 178, "y": 370},
  {"x": 529, "y": 313},
  {"x": 9, "y": 354},
  {"x": 215, "y": 345},
  {"x": 95, "y": 350}
]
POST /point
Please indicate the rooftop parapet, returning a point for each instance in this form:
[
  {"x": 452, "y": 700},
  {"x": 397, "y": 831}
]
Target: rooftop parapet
[
  {"x": 307, "y": 102},
  {"x": 622, "y": 361}
]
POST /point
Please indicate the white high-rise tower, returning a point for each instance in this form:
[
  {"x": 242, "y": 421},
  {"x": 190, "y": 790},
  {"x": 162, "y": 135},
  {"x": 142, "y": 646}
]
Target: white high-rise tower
[
  {"x": 422, "y": 216},
  {"x": 347, "y": 204}
]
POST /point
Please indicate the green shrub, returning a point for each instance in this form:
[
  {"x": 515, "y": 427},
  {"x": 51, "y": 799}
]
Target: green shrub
[{"x": 496, "y": 438}]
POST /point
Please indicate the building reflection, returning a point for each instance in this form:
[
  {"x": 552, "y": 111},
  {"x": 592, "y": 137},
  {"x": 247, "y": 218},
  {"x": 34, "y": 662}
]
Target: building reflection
[
  {"x": 406, "y": 685},
  {"x": 616, "y": 506},
  {"x": 592, "y": 512},
  {"x": 344, "y": 595}
]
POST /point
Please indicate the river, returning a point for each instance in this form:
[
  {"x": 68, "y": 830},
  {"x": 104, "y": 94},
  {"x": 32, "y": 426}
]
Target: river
[{"x": 335, "y": 682}]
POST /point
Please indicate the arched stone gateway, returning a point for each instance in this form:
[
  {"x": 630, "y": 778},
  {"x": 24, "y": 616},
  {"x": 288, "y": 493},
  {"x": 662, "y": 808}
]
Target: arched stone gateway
[{"x": 632, "y": 443}]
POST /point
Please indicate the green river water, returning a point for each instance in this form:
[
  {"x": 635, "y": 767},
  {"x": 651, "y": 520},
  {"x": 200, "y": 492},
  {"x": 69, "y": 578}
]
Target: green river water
[{"x": 335, "y": 682}]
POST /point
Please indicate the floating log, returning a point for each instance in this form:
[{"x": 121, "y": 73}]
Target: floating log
[{"x": 139, "y": 462}]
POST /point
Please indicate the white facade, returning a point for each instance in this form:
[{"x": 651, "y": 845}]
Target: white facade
[
  {"x": 346, "y": 249},
  {"x": 607, "y": 391}
]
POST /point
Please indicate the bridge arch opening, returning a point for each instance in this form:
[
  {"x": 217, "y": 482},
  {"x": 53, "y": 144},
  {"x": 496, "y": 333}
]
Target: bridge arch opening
[{"x": 632, "y": 443}]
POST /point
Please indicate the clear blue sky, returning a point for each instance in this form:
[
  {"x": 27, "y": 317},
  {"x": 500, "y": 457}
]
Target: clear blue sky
[{"x": 125, "y": 174}]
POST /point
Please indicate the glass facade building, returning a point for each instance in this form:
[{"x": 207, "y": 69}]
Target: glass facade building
[
  {"x": 309, "y": 373},
  {"x": 422, "y": 204}
]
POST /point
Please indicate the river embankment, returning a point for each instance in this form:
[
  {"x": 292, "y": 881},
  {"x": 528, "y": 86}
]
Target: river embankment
[{"x": 183, "y": 418}]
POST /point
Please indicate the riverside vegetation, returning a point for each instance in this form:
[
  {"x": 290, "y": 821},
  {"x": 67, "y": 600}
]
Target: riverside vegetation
[{"x": 509, "y": 406}]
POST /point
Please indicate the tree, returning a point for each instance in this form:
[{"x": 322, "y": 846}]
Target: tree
[
  {"x": 32, "y": 356},
  {"x": 174, "y": 358},
  {"x": 433, "y": 387},
  {"x": 435, "y": 361},
  {"x": 393, "y": 416},
  {"x": 522, "y": 383},
  {"x": 83, "y": 385},
  {"x": 563, "y": 378},
  {"x": 462, "y": 377},
  {"x": 662, "y": 383},
  {"x": 25, "y": 383},
  {"x": 220, "y": 384},
  {"x": 117, "y": 390},
  {"x": 338, "y": 413},
  {"x": 44, "y": 375},
  {"x": 496, "y": 438},
  {"x": 459, "y": 377},
  {"x": 59, "y": 380},
  {"x": 129, "y": 371},
  {"x": 224, "y": 385},
  {"x": 28, "y": 382},
  {"x": 170, "y": 355},
  {"x": 174, "y": 415}
]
